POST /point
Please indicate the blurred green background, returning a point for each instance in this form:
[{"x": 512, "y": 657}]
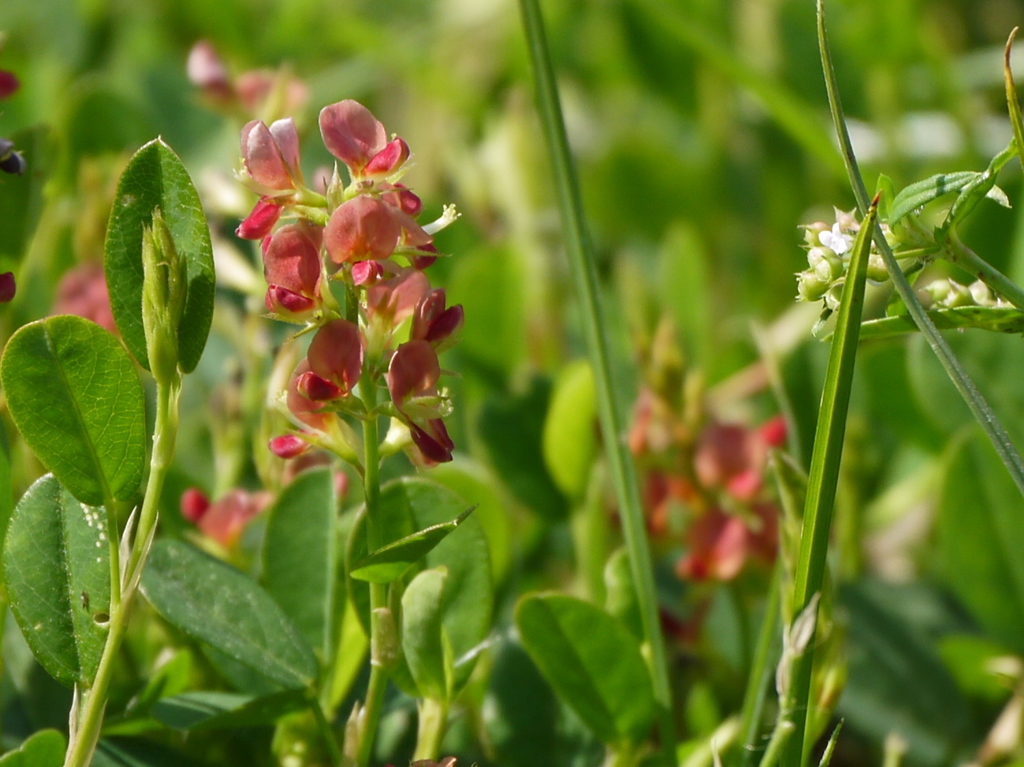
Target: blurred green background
[{"x": 703, "y": 140}]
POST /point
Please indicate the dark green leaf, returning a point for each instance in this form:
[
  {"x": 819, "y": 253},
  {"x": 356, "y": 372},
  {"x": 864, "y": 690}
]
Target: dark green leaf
[
  {"x": 592, "y": 661},
  {"x": 917, "y": 195},
  {"x": 6, "y": 486},
  {"x": 299, "y": 560},
  {"x": 155, "y": 178},
  {"x": 511, "y": 427},
  {"x": 77, "y": 400},
  {"x": 43, "y": 749},
  {"x": 896, "y": 682},
  {"x": 57, "y": 569},
  {"x": 423, "y": 642},
  {"x": 570, "y": 429},
  {"x": 998, "y": 319},
  {"x": 390, "y": 562},
  {"x": 137, "y": 752},
  {"x": 207, "y": 710},
  {"x": 980, "y": 538},
  {"x": 215, "y": 603}
]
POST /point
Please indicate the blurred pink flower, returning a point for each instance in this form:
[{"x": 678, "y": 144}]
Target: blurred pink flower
[{"x": 83, "y": 291}]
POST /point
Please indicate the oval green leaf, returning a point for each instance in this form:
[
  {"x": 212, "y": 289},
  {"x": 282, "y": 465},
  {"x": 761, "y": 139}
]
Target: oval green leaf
[
  {"x": 592, "y": 661},
  {"x": 299, "y": 560},
  {"x": 390, "y": 562},
  {"x": 43, "y": 749},
  {"x": 570, "y": 429},
  {"x": 213, "y": 602},
  {"x": 423, "y": 643},
  {"x": 156, "y": 178},
  {"x": 77, "y": 400},
  {"x": 57, "y": 569}
]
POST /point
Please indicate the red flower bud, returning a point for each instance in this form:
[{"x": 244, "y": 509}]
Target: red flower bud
[
  {"x": 194, "y": 504},
  {"x": 260, "y": 222},
  {"x": 288, "y": 446},
  {"x": 206, "y": 70},
  {"x": 367, "y": 272},
  {"x": 435, "y": 324},
  {"x": 8, "y": 83},
  {"x": 387, "y": 160},
  {"x": 271, "y": 155},
  {"x": 317, "y": 389},
  {"x": 7, "y": 287}
]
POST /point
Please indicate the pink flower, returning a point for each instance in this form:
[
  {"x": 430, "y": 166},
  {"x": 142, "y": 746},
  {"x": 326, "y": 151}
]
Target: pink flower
[
  {"x": 391, "y": 302},
  {"x": 352, "y": 134},
  {"x": 288, "y": 446},
  {"x": 362, "y": 228},
  {"x": 206, "y": 70},
  {"x": 732, "y": 457},
  {"x": 225, "y": 519},
  {"x": 271, "y": 155},
  {"x": 302, "y": 407},
  {"x": 194, "y": 504},
  {"x": 336, "y": 356},
  {"x": 412, "y": 381},
  {"x": 720, "y": 544},
  {"x": 83, "y": 291},
  {"x": 291, "y": 264}
]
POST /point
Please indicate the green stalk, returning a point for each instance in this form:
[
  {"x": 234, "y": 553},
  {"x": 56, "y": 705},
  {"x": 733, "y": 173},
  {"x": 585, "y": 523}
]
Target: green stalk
[
  {"x": 433, "y": 716},
  {"x": 94, "y": 700},
  {"x": 961, "y": 380},
  {"x": 761, "y": 673},
  {"x": 821, "y": 483},
  {"x": 326, "y": 731},
  {"x": 584, "y": 272},
  {"x": 975, "y": 265},
  {"x": 378, "y": 591}
]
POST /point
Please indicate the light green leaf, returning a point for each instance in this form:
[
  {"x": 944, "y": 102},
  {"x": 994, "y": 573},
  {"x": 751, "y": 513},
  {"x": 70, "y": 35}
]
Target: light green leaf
[
  {"x": 426, "y": 651},
  {"x": 299, "y": 560},
  {"x": 570, "y": 429},
  {"x": 592, "y": 661},
  {"x": 921, "y": 193},
  {"x": 57, "y": 569},
  {"x": 390, "y": 562},
  {"x": 43, "y": 749},
  {"x": 155, "y": 178},
  {"x": 77, "y": 400},
  {"x": 215, "y": 603},
  {"x": 1012, "y": 102}
]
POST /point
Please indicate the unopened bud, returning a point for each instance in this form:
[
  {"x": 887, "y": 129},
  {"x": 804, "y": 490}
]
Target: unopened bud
[
  {"x": 811, "y": 232},
  {"x": 982, "y": 293},
  {"x": 876, "y": 268},
  {"x": 164, "y": 286},
  {"x": 834, "y": 297},
  {"x": 809, "y": 286}
]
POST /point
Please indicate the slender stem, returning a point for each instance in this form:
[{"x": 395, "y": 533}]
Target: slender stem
[
  {"x": 433, "y": 715},
  {"x": 378, "y": 591},
  {"x": 765, "y": 657},
  {"x": 971, "y": 262},
  {"x": 326, "y": 731},
  {"x": 612, "y": 423},
  {"x": 94, "y": 699}
]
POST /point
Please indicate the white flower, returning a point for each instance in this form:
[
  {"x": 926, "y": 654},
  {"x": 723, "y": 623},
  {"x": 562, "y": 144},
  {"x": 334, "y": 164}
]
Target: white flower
[{"x": 837, "y": 240}]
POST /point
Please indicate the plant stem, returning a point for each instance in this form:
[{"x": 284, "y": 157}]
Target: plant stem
[
  {"x": 378, "y": 591},
  {"x": 765, "y": 658},
  {"x": 976, "y": 266},
  {"x": 612, "y": 424},
  {"x": 326, "y": 731},
  {"x": 94, "y": 700},
  {"x": 433, "y": 715}
]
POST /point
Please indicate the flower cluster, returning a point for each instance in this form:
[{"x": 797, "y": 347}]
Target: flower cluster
[
  {"x": 383, "y": 324},
  {"x": 828, "y": 258},
  {"x": 703, "y": 477},
  {"x": 944, "y": 293}
]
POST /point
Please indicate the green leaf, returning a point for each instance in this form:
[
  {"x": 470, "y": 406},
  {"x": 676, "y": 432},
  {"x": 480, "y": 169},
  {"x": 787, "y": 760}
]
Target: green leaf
[
  {"x": 137, "y": 752},
  {"x": 415, "y": 503},
  {"x": 215, "y": 603},
  {"x": 423, "y": 641},
  {"x": 997, "y": 319},
  {"x": 57, "y": 569},
  {"x": 208, "y": 710},
  {"x": 43, "y": 749},
  {"x": 155, "y": 178},
  {"x": 570, "y": 429},
  {"x": 390, "y": 562},
  {"x": 511, "y": 427},
  {"x": 980, "y": 533},
  {"x": 77, "y": 400},
  {"x": 921, "y": 193},
  {"x": 299, "y": 559},
  {"x": 21, "y": 197},
  {"x": 6, "y": 485},
  {"x": 592, "y": 661}
]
